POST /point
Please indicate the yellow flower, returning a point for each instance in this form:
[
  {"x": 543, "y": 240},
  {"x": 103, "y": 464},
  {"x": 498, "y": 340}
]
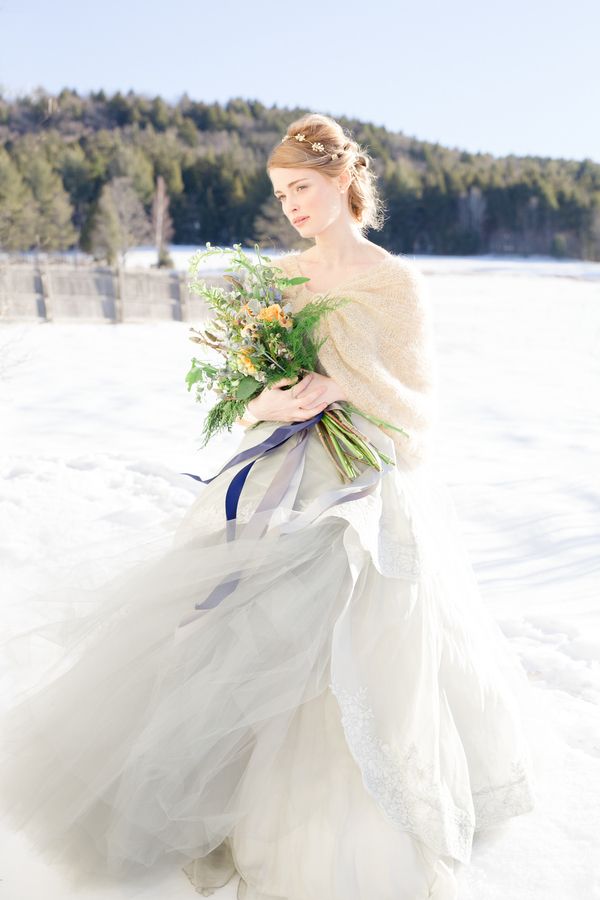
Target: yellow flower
[
  {"x": 274, "y": 313},
  {"x": 246, "y": 364},
  {"x": 270, "y": 313}
]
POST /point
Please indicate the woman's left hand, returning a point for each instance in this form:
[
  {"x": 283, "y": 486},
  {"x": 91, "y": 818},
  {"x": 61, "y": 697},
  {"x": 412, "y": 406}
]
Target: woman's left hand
[{"x": 317, "y": 389}]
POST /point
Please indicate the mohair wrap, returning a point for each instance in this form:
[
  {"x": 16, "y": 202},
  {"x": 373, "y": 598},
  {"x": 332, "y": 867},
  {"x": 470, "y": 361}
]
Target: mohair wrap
[{"x": 380, "y": 348}]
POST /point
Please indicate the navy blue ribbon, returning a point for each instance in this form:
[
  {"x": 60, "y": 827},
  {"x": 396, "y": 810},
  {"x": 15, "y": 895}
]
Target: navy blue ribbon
[
  {"x": 284, "y": 484},
  {"x": 275, "y": 439}
]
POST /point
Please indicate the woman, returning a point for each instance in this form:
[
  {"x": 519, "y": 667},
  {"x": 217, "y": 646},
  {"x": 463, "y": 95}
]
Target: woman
[{"x": 311, "y": 694}]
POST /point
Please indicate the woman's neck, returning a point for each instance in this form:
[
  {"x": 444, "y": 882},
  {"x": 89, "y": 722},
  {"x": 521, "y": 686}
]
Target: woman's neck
[{"x": 339, "y": 248}]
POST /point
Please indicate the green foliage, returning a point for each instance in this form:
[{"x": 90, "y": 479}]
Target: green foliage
[
  {"x": 258, "y": 339},
  {"x": 213, "y": 157},
  {"x": 132, "y": 162},
  {"x": 53, "y": 211},
  {"x": 17, "y": 207},
  {"x": 105, "y": 232}
]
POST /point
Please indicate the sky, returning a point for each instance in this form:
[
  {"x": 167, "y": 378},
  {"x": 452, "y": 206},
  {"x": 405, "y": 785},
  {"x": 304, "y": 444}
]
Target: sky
[{"x": 521, "y": 77}]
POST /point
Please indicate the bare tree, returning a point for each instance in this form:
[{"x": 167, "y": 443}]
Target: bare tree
[
  {"x": 120, "y": 221},
  {"x": 162, "y": 223}
]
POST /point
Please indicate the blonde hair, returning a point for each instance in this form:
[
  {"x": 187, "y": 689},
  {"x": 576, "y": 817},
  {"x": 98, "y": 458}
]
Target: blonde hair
[{"x": 364, "y": 201}]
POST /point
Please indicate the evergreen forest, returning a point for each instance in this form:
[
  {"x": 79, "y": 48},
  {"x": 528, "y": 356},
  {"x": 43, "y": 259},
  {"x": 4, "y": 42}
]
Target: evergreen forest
[{"x": 105, "y": 173}]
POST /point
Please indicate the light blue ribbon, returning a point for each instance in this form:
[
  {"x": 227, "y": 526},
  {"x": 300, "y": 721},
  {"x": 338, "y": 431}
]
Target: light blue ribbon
[{"x": 280, "y": 495}]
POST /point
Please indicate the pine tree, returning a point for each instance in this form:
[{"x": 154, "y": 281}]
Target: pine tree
[
  {"x": 17, "y": 207},
  {"x": 53, "y": 221},
  {"x": 104, "y": 239}
]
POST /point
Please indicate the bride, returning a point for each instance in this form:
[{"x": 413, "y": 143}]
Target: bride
[{"x": 305, "y": 692}]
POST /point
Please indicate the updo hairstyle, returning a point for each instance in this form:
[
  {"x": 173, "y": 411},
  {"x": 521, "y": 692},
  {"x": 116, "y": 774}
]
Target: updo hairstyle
[{"x": 335, "y": 152}]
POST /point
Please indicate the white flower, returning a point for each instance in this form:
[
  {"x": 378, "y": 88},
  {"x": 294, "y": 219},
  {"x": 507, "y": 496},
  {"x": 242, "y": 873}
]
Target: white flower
[
  {"x": 318, "y": 146},
  {"x": 300, "y": 137}
]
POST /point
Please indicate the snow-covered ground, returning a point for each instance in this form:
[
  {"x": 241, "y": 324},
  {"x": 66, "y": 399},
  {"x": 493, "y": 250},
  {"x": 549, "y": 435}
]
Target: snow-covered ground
[
  {"x": 145, "y": 257},
  {"x": 96, "y": 427}
]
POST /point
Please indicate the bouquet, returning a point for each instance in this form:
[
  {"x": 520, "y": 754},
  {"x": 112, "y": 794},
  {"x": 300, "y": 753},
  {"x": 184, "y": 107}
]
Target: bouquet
[{"x": 256, "y": 341}]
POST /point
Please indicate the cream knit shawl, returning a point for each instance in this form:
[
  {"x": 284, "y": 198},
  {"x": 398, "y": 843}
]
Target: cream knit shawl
[{"x": 380, "y": 347}]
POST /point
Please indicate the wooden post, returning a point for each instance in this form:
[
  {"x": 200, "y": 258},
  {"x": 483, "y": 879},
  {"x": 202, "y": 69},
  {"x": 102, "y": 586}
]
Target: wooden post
[
  {"x": 4, "y": 290},
  {"x": 184, "y": 305},
  {"x": 119, "y": 287},
  {"x": 46, "y": 293}
]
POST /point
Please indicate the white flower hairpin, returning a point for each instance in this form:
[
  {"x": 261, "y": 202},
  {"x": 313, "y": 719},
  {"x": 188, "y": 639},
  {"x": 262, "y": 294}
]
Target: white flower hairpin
[{"x": 317, "y": 146}]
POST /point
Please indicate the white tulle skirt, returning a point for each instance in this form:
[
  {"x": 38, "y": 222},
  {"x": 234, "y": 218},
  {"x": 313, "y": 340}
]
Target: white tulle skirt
[{"x": 336, "y": 727}]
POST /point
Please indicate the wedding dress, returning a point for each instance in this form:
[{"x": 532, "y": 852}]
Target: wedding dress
[{"x": 301, "y": 686}]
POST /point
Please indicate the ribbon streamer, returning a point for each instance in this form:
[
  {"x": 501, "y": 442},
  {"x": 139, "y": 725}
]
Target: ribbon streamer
[{"x": 279, "y": 496}]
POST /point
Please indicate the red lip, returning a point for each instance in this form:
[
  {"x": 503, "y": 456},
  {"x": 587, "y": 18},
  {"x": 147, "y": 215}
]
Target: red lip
[{"x": 301, "y": 219}]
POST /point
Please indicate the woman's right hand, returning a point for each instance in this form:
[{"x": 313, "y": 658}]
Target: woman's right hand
[{"x": 274, "y": 404}]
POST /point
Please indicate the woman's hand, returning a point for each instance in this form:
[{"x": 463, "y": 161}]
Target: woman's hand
[{"x": 308, "y": 397}]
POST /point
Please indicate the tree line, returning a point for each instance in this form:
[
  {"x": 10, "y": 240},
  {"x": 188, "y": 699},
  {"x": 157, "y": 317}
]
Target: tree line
[{"x": 104, "y": 173}]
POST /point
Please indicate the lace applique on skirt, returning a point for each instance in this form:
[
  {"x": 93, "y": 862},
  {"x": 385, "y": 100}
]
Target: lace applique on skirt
[
  {"x": 495, "y": 804},
  {"x": 406, "y": 790},
  {"x": 402, "y": 785}
]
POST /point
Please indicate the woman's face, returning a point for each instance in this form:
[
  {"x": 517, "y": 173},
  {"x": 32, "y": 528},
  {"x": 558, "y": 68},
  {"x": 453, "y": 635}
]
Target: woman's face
[{"x": 311, "y": 201}]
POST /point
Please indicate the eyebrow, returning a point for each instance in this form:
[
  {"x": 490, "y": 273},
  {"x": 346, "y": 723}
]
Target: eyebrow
[{"x": 290, "y": 184}]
